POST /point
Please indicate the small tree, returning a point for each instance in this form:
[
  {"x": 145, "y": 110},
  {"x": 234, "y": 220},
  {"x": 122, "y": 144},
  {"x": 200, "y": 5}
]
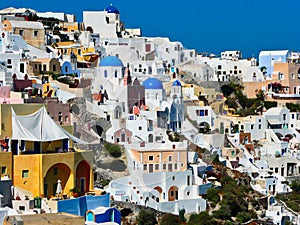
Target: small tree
[
  {"x": 243, "y": 217},
  {"x": 146, "y": 217},
  {"x": 223, "y": 213},
  {"x": 203, "y": 218},
  {"x": 212, "y": 196},
  {"x": 181, "y": 215},
  {"x": 295, "y": 186},
  {"x": 113, "y": 150}
]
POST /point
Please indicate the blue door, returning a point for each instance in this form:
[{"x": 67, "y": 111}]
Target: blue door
[{"x": 90, "y": 217}]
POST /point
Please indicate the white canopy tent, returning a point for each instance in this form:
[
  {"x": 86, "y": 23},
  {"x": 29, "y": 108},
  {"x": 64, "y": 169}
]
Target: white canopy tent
[{"x": 38, "y": 126}]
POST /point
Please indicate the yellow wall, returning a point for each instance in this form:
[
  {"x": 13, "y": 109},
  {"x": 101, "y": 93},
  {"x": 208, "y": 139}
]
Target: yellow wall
[
  {"x": 6, "y": 161},
  {"x": 71, "y": 27},
  {"x": 46, "y": 88},
  {"x": 41, "y": 165},
  {"x": 32, "y": 163},
  {"x": 67, "y": 47}
]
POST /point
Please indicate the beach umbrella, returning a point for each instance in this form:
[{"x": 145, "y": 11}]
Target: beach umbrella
[{"x": 59, "y": 187}]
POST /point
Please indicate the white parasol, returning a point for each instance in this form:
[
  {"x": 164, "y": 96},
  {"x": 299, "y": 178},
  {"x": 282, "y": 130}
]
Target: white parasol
[{"x": 59, "y": 187}]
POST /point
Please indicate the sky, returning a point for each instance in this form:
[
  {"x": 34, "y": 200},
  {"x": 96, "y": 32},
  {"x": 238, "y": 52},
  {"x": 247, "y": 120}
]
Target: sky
[{"x": 208, "y": 26}]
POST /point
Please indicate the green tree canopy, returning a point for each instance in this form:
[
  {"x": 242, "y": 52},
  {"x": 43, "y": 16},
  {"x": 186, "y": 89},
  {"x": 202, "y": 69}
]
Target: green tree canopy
[{"x": 146, "y": 217}]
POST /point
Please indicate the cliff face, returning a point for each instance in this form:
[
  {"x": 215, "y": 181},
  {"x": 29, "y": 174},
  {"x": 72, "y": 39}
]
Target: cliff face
[
  {"x": 87, "y": 126},
  {"x": 91, "y": 128}
]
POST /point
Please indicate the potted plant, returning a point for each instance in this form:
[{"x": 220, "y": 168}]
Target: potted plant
[{"x": 75, "y": 191}]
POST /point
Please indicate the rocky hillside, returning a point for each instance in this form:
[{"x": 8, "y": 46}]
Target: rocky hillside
[{"x": 91, "y": 128}]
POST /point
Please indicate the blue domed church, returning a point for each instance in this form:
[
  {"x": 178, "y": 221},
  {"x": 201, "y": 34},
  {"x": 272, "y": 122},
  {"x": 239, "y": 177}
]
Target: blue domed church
[
  {"x": 109, "y": 74},
  {"x": 106, "y": 23},
  {"x": 154, "y": 92}
]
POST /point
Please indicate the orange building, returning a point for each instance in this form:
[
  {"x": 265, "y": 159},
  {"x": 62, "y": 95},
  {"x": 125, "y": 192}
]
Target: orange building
[{"x": 284, "y": 86}]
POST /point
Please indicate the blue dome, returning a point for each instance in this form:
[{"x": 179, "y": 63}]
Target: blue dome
[
  {"x": 152, "y": 83},
  {"x": 176, "y": 83},
  {"x": 111, "y": 61},
  {"x": 112, "y": 9}
]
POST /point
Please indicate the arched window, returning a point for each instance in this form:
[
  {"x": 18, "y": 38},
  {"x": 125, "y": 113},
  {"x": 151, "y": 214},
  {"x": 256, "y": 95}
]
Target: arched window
[
  {"x": 105, "y": 73},
  {"x": 60, "y": 117},
  {"x": 150, "y": 138},
  {"x": 116, "y": 73}
]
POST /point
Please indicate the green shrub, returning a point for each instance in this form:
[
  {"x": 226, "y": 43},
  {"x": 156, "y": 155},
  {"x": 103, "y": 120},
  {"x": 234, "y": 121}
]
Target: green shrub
[
  {"x": 168, "y": 219},
  {"x": 295, "y": 185},
  {"x": 293, "y": 205},
  {"x": 213, "y": 196},
  {"x": 113, "y": 150},
  {"x": 224, "y": 213},
  {"x": 34, "y": 92},
  {"x": 234, "y": 201},
  {"x": 105, "y": 182},
  {"x": 203, "y": 218},
  {"x": 243, "y": 217},
  {"x": 146, "y": 217},
  {"x": 181, "y": 215},
  {"x": 269, "y": 104}
]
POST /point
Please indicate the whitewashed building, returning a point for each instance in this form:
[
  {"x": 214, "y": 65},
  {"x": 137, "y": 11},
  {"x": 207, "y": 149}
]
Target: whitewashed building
[
  {"x": 224, "y": 69},
  {"x": 203, "y": 115},
  {"x": 159, "y": 178},
  {"x": 106, "y": 23}
]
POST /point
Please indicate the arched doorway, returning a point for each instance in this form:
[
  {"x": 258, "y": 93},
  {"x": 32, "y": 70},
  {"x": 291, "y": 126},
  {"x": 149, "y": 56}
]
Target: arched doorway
[
  {"x": 159, "y": 189},
  {"x": 173, "y": 193},
  {"x": 118, "y": 112},
  {"x": 58, "y": 171},
  {"x": 123, "y": 137},
  {"x": 98, "y": 129},
  {"x": 150, "y": 138},
  {"x": 83, "y": 176},
  {"x": 204, "y": 127},
  {"x": 181, "y": 57}
]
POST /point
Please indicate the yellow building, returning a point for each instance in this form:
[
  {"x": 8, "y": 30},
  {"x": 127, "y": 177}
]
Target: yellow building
[
  {"x": 6, "y": 163},
  {"x": 40, "y": 176},
  {"x": 46, "y": 90},
  {"x": 36, "y": 164},
  {"x": 69, "y": 26},
  {"x": 83, "y": 54}
]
